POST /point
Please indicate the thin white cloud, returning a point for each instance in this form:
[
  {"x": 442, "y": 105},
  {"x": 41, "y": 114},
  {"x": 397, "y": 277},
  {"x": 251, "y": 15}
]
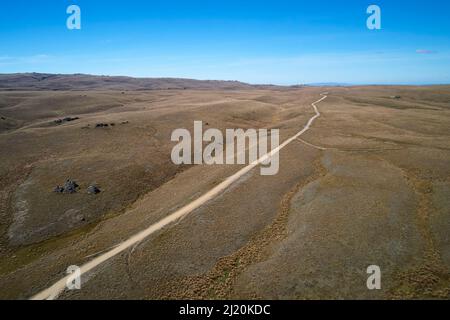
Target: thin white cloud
[{"x": 424, "y": 51}]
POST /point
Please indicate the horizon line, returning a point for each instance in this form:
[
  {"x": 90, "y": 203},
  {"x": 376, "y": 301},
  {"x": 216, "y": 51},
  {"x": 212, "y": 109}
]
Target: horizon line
[{"x": 314, "y": 84}]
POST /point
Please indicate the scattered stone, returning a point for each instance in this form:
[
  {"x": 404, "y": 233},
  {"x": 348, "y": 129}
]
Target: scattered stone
[
  {"x": 3, "y": 118},
  {"x": 58, "y": 189},
  {"x": 101, "y": 125},
  {"x": 93, "y": 190},
  {"x": 112, "y": 124},
  {"x": 125, "y": 122},
  {"x": 70, "y": 186},
  {"x": 396, "y": 97}
]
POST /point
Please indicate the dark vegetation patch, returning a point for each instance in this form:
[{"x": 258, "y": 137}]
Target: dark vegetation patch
[{"x": 66, "y": 119}]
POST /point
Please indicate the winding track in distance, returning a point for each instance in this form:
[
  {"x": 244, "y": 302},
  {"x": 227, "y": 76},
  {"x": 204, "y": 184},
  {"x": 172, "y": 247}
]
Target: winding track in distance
[{"x": 56, "y": 289}]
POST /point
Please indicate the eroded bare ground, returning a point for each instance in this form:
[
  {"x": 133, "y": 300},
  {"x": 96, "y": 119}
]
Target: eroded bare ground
[{"x": 368, "y": 184}]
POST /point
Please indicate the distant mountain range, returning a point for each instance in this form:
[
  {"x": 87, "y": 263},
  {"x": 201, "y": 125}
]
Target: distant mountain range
[{"x": 42, "y": 81}]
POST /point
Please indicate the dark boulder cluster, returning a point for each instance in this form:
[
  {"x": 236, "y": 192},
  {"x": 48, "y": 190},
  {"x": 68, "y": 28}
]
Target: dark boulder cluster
[
  {"x": 71, "y": 187},
  {"x": 3, "y": 118},
  {"x": 66, "y": 119},
  {"x": 102, "y": 125}
]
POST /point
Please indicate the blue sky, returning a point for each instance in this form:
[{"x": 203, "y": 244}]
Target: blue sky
[{"x": 280, "y": 42}]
